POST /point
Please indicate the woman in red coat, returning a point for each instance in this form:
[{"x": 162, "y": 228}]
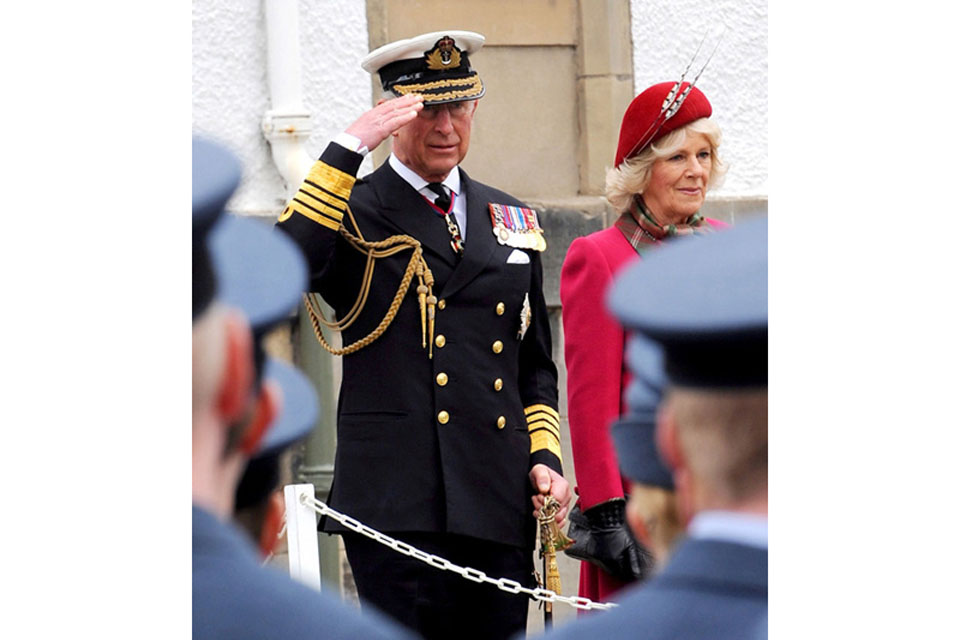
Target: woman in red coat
[{"x": 665, "y": 163}]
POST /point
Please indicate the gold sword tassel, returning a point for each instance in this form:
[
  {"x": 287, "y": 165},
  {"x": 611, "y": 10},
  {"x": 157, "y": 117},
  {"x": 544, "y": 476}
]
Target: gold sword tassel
[{"x": 551, "y": 541}]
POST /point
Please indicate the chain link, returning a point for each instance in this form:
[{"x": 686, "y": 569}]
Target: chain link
[{"x": 474, "y": 575}]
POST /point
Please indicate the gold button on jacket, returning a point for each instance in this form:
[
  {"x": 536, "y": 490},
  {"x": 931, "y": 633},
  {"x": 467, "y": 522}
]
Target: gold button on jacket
[
  {"x": 497, "y": 346},
  {"x": 440, "y": 341},
  {"x": 501, "y": 422},
  {"x": 442, "y": 379},
  {"x": 443, "y": 417},
  {"x": 497, "y": 384},
  {"x": 501, "y": 308}
]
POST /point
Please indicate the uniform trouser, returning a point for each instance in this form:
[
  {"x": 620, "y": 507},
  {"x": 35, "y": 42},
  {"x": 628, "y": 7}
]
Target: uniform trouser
[{"x": 437, "y": 603}]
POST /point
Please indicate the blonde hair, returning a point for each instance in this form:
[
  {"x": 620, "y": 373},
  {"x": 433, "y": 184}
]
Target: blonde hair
[
  {"x": 633, "y": 174},
  {"x": 657, "y": 508}
]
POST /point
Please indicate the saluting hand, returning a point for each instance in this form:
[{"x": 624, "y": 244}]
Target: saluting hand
[
  {"x": 549, "y": 482},
  {"x": 374, "y": 126}
]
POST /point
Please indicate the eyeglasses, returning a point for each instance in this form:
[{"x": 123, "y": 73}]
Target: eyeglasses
[{"x": 455, "y": 109}]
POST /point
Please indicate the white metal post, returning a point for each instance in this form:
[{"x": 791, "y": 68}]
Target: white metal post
[{"x": 302, "y": 535}]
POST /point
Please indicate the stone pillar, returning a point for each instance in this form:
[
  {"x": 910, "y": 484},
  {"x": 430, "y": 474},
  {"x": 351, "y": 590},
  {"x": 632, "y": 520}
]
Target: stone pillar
[{"x": 604, "y": 86}]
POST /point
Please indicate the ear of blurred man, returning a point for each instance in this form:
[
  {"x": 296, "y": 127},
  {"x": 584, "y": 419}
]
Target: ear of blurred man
[
  {"x": 266, "y": 408},
  {"x": 236, "y": 374},
  {"x": 246, "y": 416},
  {"x": 223, "y": 372}
]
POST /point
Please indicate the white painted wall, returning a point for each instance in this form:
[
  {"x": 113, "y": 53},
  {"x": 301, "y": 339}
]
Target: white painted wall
[
  {"x": 230, "y": 91},
  {"x": 665, "y": 35},
  {"x": 231, "y": 94}
]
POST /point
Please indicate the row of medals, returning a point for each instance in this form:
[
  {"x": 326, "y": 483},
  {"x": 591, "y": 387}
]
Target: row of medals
[{"x": 528, "y": 239}]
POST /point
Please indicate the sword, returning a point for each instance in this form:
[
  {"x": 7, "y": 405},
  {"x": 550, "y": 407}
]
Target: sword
[{"x": 551, "y": 541}]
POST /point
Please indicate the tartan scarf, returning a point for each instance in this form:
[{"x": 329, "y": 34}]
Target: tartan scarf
[{"x": 642, "y": 231}]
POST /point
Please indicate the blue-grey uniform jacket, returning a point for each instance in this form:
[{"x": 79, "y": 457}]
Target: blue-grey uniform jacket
[
  {"x": 235, "y": 598},
  {"x": 709, "y": 589}
]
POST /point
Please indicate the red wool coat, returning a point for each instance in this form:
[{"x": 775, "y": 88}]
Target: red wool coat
[{"x": 597, "y": 376}]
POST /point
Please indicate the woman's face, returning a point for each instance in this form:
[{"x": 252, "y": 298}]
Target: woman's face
[{"x": 678, "y": 183}]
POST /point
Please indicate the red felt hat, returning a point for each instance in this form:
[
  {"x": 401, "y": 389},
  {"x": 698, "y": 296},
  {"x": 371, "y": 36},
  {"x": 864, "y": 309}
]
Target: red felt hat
[{"x": 643, "y": 122}]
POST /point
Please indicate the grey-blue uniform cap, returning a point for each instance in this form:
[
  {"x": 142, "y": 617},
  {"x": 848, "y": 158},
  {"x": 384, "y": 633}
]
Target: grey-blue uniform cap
[
  {"x": 703, "y": 299},
  {"x": 249, "y": 266},
  {"x": 633, "y": 434},
  {"x": 702, "y": 302},
  {"x": 297, "y": 417}
]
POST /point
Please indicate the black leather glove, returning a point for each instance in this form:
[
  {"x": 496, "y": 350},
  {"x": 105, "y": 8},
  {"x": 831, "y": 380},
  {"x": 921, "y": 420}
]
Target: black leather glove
[{"x": 603, "y": 538}]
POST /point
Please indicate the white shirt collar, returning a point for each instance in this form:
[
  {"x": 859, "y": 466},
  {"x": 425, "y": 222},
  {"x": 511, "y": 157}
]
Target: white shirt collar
[
  {"x": 452, "y": 181},
  {"x": 730, "y": 526}
]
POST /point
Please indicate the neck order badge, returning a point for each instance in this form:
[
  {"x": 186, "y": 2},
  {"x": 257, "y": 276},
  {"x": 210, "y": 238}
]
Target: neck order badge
[{"x": 444, "y": 205}]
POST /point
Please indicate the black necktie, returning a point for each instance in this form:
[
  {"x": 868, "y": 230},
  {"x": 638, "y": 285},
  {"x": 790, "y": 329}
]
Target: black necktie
[
  {"x": 443, "y": 198},
  {"x": 443, "y": 203}
]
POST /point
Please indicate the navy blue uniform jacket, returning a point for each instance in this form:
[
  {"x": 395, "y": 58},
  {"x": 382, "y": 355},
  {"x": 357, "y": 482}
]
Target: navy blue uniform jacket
[
  {"x": 400, "y": 465},
  {"x": 235, "y": 598}
]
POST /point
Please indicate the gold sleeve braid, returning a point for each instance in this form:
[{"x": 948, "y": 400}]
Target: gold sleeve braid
[
  {"x": 543, "y": 424},
  {"x": 322, "y": 196}
]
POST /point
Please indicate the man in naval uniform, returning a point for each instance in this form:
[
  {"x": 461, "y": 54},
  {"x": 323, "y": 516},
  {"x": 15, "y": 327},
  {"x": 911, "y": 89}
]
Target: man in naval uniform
[
  {"x": 711, "y": 429},
  {"x": 246, "y": 404},
  {"x": 447, "y": 421}
]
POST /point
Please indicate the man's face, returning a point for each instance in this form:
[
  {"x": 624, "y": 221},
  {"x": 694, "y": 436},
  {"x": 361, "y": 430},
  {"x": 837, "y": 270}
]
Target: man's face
[{"x": 436, "y": 140}]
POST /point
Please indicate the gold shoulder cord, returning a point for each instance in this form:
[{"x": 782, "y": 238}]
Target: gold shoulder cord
[{"x": 374, "y": 251}]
